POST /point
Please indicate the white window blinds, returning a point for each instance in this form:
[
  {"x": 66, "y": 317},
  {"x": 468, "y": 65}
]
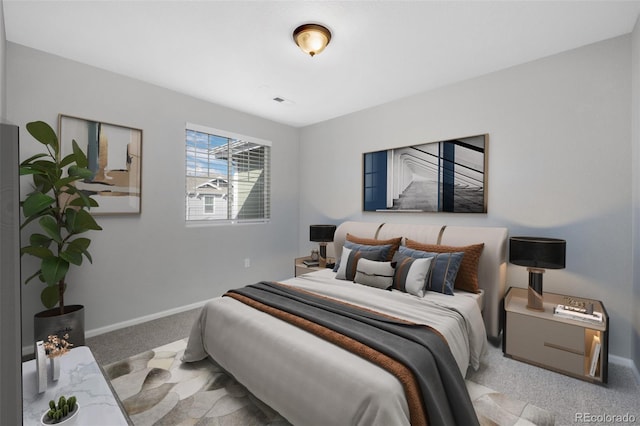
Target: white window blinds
[{"x": 227, "y": 176}]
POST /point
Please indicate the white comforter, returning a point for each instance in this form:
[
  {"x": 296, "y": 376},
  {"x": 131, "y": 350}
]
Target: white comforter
[{"x": 312, "y": 382}]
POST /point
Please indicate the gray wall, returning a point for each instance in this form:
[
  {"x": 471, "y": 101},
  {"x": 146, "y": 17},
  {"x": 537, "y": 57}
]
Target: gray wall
[
  {"x": 635, "y": 141},
  {"x": 153, "y": 262},
  {"x": 558, "y": 164},
  {"x": 3, "y": 65}
]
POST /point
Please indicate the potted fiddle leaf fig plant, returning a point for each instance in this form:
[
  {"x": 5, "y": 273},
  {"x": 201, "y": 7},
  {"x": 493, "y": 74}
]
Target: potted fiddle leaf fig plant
[{"x": 61, "y": 213}]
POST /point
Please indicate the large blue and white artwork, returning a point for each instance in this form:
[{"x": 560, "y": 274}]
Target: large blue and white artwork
[{"x": 444, "y": 176}]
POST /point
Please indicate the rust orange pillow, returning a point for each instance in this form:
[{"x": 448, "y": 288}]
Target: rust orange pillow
[
  {"x": 467, "y": 278},
  {"x": 395, "y": 243}
]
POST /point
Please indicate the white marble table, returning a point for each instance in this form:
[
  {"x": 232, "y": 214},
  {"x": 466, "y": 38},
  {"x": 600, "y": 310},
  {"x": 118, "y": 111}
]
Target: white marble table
[{"x": 81, "y": 376}]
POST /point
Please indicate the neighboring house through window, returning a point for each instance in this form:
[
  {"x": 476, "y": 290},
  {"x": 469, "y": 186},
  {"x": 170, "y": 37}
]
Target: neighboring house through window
[{"x": 227, "y": 176}]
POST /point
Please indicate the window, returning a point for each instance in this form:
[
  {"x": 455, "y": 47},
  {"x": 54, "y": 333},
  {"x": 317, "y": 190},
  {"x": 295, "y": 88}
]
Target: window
[
  {"x": 209, "y": 207},
  {"x": 227, "y": 176}
]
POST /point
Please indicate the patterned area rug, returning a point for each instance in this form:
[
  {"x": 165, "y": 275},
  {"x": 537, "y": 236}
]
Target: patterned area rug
[{"x": 156, "y": 388}]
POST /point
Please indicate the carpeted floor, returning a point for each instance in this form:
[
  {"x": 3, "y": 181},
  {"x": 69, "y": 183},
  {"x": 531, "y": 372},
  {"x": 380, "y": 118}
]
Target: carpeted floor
[
  {"x": 563, "y": 396},
  {"x": 156, "y": 388}
]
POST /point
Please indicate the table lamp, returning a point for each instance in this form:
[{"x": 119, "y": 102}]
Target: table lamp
[
  {"x": 322, "y": 234},
  {"x": 537, "y": 254}
]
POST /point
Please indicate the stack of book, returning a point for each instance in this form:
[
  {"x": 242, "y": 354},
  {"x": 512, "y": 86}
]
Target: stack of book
[
  {"x": 570, "y": 312},
  {"x": 310, "y": 263}
]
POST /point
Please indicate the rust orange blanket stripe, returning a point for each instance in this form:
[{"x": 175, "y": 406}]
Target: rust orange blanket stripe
[{"x": 417, "y": 410}]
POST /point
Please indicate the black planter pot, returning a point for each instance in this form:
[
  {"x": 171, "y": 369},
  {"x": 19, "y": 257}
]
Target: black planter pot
[{"x": 50, "y": 322}]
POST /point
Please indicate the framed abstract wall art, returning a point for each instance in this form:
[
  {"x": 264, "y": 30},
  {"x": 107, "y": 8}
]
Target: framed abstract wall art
[
  {"x": 114, "y": 154},
  {"x": 443, "y": 176}
]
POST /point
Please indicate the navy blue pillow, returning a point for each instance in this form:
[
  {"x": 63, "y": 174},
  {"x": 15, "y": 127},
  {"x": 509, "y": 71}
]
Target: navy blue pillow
[
  {"x": 444, "y": 268},
  {"x": 386, "y": 248},
  {"x": 350, "y": 256}
]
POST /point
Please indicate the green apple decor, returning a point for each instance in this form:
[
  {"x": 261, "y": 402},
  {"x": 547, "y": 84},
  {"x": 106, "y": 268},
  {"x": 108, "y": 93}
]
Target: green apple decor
[{"x": 62, "y": 213}]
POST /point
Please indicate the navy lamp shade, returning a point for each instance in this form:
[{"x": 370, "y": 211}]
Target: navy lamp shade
[
  {"x": 537, "y": 254},
  {"x": 322, "y": 234}
]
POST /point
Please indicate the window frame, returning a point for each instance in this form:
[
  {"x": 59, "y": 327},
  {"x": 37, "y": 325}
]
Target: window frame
[{"x": 230, "y": 136}]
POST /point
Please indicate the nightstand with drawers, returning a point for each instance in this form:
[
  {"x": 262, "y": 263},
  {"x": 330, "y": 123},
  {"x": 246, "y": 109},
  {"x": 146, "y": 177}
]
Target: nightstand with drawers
[{"x": 569, "y": 346}]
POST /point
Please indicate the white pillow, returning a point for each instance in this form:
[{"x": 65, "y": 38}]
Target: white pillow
[
  {"x": 410, "y": 274},
  {"x": 374, "y": 274},
  {"x": 341, "y": 274}
]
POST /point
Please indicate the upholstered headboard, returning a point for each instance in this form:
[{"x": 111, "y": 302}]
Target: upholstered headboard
[{"x": 492, "y": 266}]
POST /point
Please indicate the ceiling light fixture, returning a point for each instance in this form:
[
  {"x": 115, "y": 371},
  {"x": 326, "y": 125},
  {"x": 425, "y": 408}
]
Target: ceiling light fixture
[{"x": 312, "y": 38}]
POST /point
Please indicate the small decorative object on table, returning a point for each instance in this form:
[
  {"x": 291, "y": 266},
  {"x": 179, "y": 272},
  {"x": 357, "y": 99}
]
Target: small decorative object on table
[
  {"x": 41, "y": 366},
  {"x": 55, "y": 347},
  {"x": 567, "y": 311},
  {"x": 312, "y": 261},
  {"x": 315, "y": 256},
  {"x": 64, "y": 413}
]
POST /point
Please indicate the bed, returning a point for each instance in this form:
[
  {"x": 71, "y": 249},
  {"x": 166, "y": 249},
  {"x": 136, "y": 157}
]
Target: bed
[{"x": 312, "y": 381}]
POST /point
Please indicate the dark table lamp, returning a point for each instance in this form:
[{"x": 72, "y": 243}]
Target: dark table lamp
[
  {"x": 322, "y": 234},
  {"x": 537, "y": 254}
]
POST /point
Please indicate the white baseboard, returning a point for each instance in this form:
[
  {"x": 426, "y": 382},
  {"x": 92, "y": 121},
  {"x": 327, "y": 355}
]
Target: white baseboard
[
  {"x": 626, "y": 362},
  {"x": 140, "y": 320},
  {"x": 28, "y": 350}
]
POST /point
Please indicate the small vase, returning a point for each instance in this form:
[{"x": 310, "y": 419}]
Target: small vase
[
  {"x": 41, "y": 367},
  {"x": 55, "y": 368}
]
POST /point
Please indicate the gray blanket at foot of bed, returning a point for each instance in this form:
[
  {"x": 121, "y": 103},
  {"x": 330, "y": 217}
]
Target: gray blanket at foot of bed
[{"x": 419, "y": 348}]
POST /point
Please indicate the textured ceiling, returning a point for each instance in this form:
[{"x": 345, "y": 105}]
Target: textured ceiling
[{"x": 241, "y": 54}]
